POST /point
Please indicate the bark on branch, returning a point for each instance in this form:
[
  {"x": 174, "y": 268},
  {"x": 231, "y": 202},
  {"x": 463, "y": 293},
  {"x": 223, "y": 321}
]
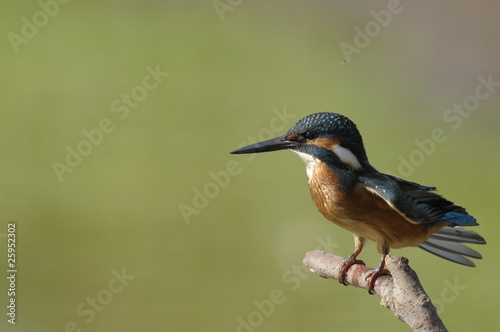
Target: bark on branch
[{"x": 401, "y": 292}]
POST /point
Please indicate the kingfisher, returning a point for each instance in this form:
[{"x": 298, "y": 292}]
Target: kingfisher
[{"x": 385, "y": 209}]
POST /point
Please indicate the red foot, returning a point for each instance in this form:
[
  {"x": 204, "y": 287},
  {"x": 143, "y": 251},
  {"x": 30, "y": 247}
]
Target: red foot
[
  {"x": 344, "y": 267},
  {"x": 372, "y": 277}
]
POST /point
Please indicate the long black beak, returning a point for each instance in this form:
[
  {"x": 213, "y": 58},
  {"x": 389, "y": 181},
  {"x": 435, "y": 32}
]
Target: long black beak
[{"x": 278, "y": 143}]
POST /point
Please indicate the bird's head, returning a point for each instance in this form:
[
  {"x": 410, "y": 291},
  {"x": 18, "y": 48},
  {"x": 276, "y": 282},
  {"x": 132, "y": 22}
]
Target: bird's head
[{"x": 329, "y": 137}]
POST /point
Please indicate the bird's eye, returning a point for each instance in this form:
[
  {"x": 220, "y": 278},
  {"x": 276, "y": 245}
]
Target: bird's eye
[
  {"x": 309, "y": 135},
  {"x": 306, "y": 136}
]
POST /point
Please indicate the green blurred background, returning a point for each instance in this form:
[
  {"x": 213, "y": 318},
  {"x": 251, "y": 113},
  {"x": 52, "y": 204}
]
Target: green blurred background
[{"x": 232, "y": 67}]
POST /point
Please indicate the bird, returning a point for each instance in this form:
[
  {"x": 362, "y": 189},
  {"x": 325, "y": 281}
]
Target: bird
[{"x": 374, "y": 206}]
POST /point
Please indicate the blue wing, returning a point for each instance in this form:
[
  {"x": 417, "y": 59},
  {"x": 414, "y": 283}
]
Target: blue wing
[
  {"x": 415, "y": 202},
  {"x": 418, "y": 204}
]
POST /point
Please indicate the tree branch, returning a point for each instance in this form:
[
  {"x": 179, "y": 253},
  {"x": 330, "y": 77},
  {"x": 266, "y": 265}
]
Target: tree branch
[{"x": 401, "y": 292}]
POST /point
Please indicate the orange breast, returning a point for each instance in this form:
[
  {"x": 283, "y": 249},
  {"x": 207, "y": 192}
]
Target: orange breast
[{"x": 362, "y": 212}]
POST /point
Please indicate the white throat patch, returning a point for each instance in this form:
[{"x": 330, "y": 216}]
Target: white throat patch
[
  {"x": 310, "y": 161},
  {"x": 347, "y": 157}
]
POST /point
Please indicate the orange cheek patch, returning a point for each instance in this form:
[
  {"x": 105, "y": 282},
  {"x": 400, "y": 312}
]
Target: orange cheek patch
[
  {"x": 292, "y": 137},
  {"x": 326, "y": 143}
]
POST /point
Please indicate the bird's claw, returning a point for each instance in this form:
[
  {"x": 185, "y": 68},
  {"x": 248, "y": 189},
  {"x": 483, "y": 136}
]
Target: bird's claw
[
  {"x": 344, "y": 267},
  {"x": 372, "y": 278}
]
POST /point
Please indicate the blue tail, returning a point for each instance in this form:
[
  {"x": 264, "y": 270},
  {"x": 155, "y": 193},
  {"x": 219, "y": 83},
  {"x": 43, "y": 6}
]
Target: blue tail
[
  {"x": 448, "y": 241},
  {"x": 459, "y": 218}
]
